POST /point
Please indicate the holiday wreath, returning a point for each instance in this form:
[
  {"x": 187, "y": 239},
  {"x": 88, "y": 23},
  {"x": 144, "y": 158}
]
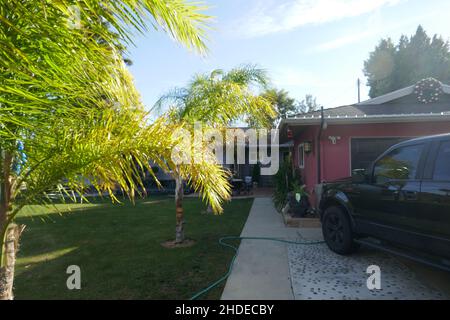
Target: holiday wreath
[{"x": 428, "y": 90}]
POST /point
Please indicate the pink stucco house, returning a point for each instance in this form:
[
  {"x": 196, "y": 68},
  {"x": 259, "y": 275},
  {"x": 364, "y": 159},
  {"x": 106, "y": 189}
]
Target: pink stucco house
[{"x": 329, "y": 144}]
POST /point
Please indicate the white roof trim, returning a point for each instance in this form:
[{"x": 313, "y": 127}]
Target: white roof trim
[
  {"x": 397, "y": 95},
  {"x": 444, "y": 116}
]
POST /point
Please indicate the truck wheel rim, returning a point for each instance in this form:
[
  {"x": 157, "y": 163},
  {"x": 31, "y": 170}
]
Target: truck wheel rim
[{"x": 335, "y": 229}]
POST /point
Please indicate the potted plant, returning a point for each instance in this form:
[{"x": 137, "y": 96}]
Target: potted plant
[{"x": 298, "y": 200}]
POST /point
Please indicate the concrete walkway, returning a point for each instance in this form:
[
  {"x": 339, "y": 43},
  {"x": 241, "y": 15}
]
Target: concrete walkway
[{"x": 261, "y": 269}]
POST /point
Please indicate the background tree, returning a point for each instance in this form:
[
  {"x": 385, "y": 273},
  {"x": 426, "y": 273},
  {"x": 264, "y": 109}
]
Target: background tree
[
  {"x": 282, "y": 102},
  {"x": 69, "y": 109},
  {"x": 308, "y": 104},
  {"x": 391, "y": 67},
  {"x": 216, "y": 100},
  {"x": 286, "y": 106}
]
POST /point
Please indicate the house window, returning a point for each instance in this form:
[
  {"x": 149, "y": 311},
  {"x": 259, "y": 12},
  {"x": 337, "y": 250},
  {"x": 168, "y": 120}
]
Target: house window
[{"x": 301, "y": 156}]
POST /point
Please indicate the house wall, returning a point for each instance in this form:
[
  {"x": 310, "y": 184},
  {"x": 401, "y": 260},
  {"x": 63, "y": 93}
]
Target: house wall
[
  {"x": 309, "y": 173},
  {"x": 336, "y": 159}
]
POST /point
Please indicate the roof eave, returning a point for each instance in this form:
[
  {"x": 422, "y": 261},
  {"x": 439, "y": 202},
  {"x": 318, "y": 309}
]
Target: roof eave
[{"x": 366, "y": 119}]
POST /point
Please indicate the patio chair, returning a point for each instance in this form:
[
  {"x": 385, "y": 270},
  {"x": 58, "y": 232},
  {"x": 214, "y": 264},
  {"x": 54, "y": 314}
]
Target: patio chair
[{"x": 248, "y": 184}]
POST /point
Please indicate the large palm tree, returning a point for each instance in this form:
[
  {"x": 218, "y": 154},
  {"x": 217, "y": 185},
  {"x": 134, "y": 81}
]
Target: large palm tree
[
  {"x": 216, "y": 100},
  {"x": 69, "y": 111},
  {"x": 43, "y": 57}
]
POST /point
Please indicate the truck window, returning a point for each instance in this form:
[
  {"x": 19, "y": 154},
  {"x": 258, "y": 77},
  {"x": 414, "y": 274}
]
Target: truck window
[
  {"x": 442, "y": 165},
  {"x": 399, "y": 164}
]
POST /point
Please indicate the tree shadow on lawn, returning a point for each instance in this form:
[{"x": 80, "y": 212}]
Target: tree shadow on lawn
[{"x": 118, "y": 248}]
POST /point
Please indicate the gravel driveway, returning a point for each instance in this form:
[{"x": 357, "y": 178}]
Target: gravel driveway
[{"x": 318, "y": 273}]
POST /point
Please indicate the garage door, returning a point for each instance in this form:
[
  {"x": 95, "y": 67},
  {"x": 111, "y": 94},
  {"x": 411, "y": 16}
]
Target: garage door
[{"x": 366, "y": 150}]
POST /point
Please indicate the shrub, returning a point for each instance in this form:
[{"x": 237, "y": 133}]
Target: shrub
[{"x": 285, "y": 182}]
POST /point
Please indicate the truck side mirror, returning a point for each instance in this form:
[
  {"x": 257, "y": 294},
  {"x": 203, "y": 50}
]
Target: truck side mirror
[{"x": 359, "y": 176}]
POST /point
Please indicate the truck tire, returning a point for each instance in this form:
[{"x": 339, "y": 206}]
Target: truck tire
[{"x": 337, "y": 231}]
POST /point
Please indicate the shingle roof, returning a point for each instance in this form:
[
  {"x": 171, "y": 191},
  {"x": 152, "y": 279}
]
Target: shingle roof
[
  {"x": 399, "y": 102},
  {"x": 395, "y": 107},
  {"x": 359, "y": 110}
]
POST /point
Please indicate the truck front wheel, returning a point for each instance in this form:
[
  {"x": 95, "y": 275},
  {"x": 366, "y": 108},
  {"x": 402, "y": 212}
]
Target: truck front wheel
[{"x": 337, "y": 231}]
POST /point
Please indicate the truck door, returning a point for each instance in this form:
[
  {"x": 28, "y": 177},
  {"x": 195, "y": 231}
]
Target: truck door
[
  {"x": 435, "y": 199},
  {"x": 389, "y": 203}
]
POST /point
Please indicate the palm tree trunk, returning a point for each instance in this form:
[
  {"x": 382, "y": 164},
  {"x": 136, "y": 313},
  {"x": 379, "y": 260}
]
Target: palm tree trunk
[
  {"x": 5, "y": 188},
  {"x": 9, "y": 234},
  {"x": 9, "y": 252},
  {"x": 179, "y": 230}
]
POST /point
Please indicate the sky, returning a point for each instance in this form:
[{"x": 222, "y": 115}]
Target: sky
[{"x": 313, "y": 47}]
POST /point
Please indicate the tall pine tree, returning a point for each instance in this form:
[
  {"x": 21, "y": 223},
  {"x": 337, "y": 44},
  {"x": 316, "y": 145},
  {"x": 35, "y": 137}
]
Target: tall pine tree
[{"x": 391, "y": 67}]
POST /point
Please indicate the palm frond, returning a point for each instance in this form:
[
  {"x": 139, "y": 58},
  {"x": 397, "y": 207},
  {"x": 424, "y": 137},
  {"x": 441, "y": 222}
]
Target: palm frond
[
  {"x": 221, "y": 97},
  {"x": 248, "y": 75},
  {"x": 215, "y": 100}
]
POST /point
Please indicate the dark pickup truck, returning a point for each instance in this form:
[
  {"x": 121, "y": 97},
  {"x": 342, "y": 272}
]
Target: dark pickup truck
[{"x": 400, "y": 205}]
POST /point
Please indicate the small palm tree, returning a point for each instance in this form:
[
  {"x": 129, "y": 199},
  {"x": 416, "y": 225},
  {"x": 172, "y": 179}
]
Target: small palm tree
[{"x": 216, "y": 100}]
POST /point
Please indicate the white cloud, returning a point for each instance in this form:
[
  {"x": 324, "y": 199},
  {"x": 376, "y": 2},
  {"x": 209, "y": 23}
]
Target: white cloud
[
  {"x": 375, "y": 27},
  {"x": 342, "y": 41},
  {"x": 273, "y": 17}
]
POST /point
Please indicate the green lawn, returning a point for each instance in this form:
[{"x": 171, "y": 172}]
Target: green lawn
[{"x": 118, "y": 250}]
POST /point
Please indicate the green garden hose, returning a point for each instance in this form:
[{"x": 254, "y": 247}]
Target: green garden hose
[{"x": 227, "y": 274}]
